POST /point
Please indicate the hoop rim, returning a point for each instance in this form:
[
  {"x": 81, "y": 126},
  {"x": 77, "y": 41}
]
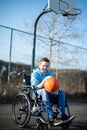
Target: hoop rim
[{"x": 66, "y": 13}]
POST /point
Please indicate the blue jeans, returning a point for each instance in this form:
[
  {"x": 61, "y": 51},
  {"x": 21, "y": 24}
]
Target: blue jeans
[
  {"x": 61, "y": 101},
  {"x": 45, "y": 97}
]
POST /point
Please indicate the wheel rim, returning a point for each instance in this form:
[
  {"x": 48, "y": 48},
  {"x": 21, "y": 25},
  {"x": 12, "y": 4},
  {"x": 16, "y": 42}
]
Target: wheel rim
[{"x": 21, "y": 110}]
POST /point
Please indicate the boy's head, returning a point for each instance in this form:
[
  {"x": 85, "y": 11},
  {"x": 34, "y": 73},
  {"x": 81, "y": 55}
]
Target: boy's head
[{"x": 44, "y": 64}]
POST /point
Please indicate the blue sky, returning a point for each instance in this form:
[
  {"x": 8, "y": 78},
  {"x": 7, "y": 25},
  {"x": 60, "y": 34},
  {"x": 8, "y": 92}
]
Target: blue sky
[{"x": 15, "y": 13}]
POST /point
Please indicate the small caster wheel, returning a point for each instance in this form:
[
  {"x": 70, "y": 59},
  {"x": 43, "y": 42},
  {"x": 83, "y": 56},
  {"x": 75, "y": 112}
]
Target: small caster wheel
[{"x": 41, "y": 125}]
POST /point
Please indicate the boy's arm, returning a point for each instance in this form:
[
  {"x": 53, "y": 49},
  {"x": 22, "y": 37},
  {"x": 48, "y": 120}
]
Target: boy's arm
[{"x": 41, "y": 85}]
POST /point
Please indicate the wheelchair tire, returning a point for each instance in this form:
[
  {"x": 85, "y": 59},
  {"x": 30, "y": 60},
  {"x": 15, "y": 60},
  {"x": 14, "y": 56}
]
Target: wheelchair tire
[
  {"x": 21, "y": 110},
  {"x": 65, "y": 127},
  {"x": 67, "y": 111},
  {"x": 41, "y": 126}
]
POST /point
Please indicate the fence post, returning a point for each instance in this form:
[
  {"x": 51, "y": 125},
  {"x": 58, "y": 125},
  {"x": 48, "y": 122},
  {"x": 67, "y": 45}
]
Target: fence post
[{"x": 9, "y": 65}]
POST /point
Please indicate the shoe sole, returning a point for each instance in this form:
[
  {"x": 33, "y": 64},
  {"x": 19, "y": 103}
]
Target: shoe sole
[
  {"x": 43, "y": 121},
  {"x": 69, "y": 120},
  {"x": 65, "y": 121},
  {"x": 58, "y": 123}
]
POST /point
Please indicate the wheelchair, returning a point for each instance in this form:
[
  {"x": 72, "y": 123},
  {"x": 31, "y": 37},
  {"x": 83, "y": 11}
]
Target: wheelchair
[{"x": 23, "y": 104}]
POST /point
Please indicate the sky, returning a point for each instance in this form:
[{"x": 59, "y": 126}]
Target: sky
[{"x": 16, "y": 13}]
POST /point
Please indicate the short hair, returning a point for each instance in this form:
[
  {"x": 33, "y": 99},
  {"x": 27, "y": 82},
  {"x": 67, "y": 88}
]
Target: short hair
[{"x": 44, "y": 59}]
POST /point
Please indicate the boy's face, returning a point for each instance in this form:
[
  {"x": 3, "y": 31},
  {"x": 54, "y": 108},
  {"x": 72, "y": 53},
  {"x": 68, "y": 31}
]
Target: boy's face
[{"x": 43, "y": 66}]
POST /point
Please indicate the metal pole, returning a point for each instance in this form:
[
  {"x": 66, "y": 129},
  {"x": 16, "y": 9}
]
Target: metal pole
[
  {"x": 9, "y": 66},
  {"x": 34, "y": 40}
]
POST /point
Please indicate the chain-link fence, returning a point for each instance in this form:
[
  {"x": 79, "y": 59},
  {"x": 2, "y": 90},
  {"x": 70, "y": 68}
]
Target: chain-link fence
[{"x": 16, "y": 48}]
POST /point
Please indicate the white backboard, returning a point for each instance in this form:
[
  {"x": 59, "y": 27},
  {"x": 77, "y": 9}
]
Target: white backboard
[{"x": 59, "y": 6}]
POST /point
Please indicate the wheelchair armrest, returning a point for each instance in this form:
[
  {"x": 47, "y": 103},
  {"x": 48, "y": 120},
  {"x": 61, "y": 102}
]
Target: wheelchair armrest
[
  {"x": 26, "y": 88},
  {"x": 27, "y": 79},
  {"x": 34, "y": 89}
]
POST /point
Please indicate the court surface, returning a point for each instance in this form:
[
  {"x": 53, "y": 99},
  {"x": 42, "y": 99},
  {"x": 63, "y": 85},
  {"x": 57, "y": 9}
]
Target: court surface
[{"x": 79, "y": 109}]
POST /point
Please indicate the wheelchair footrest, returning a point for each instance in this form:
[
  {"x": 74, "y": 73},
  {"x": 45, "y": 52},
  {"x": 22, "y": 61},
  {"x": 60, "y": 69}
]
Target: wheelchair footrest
[
  {"x": 42, "y": 120},
  {"x": 69, "y": 120}
]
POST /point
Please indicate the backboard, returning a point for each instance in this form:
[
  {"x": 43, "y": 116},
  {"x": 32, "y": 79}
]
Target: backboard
[{"x": 60, "y": 6}]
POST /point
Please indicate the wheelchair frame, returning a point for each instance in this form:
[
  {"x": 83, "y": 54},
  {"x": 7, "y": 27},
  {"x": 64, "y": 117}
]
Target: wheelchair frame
[{"x": 23, "y": 103}]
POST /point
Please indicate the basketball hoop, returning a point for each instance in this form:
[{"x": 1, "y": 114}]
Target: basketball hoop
[{"x": 72, "y": 12}]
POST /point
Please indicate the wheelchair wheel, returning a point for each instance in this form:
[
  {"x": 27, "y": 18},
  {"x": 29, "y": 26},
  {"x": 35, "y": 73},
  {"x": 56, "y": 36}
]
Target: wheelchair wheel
[
  {"x": 65, "y": 127},
  {"x": 21, "y": 110},
  {"x": 67, "y": 111},
  {"x": 41, "y": 126}
]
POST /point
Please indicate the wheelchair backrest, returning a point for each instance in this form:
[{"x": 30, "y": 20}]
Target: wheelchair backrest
[{"x": 27, "y": 79}]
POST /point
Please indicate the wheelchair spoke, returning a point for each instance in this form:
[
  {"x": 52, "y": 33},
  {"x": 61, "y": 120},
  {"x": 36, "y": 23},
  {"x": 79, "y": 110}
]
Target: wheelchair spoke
[{"x": 21, "y": 110}]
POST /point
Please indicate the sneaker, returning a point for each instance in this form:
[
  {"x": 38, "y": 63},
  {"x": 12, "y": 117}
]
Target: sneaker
[
  {"x": 58, "y": 122},
  {"x": 64, "y": 117},
  {"x": 55, "y": 122},
  {"x": 43, "y": 120},
  {"x": 69, "y": 119}
]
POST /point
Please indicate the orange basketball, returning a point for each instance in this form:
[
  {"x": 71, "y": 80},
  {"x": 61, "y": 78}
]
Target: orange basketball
[{"x": 51, "y": 84}]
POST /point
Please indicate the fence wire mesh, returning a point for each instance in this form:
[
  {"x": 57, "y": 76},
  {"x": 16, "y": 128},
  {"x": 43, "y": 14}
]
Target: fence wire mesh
[{"x": 16, "y": 47}]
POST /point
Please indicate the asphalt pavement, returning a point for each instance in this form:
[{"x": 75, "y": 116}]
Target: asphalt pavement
[{"x": 78, "y": 109}]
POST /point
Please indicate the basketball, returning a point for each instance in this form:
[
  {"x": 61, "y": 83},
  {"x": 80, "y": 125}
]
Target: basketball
[{"x": 51, "y": 84}]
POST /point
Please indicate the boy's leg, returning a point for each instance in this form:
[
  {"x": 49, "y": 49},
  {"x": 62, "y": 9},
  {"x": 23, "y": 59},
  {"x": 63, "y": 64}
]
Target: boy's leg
[
  {"x": 61, "y": 101},
  {"x": 46, "y": 100},
  {"x": 49, "y": 111}
]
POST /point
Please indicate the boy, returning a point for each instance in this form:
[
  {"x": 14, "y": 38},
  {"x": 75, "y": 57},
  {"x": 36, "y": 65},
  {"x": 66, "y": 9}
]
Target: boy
[{"x": 37, "y": 78}]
